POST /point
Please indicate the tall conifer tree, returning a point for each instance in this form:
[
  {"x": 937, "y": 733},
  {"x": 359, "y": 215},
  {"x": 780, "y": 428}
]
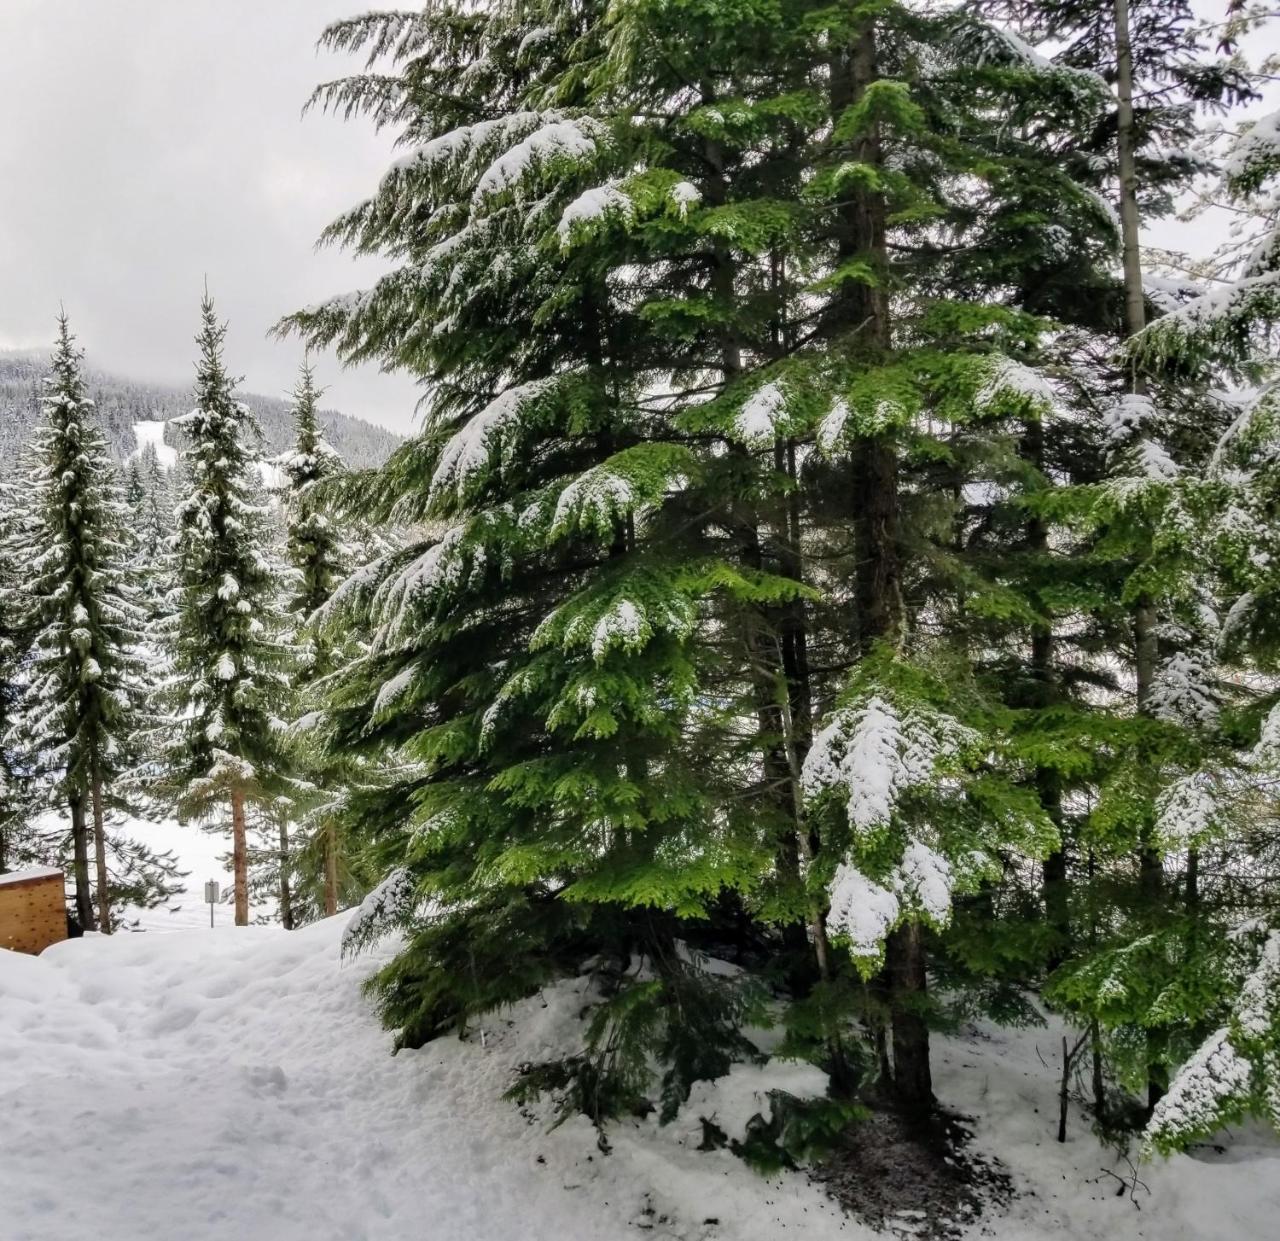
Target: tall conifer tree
[
  {"x": 227, "y": 680},
  {"x": 694, "y": 642},
  {"x": 320, "y": 559},
  {"x": 85, "y": 678},
  {"x": 15, "y": 799}
]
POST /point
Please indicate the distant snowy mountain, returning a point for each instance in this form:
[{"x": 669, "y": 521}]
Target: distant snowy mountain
[{"x": 130, "y": 409}]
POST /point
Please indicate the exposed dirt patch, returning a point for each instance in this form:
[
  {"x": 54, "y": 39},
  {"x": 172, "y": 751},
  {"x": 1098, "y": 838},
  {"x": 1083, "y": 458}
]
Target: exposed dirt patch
[{"x": 914, "y": 1179}]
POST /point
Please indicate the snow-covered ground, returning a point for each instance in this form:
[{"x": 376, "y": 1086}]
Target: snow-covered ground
[
  {"x": 152, "y": 432},
  {"x": 203, "y": 855},
  {"x": 234, "y": 1085}
]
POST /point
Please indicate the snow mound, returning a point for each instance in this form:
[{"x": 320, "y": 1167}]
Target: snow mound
[
  {"x": 733, "y": 1101},
  {"x": 235, "y": 1086}
]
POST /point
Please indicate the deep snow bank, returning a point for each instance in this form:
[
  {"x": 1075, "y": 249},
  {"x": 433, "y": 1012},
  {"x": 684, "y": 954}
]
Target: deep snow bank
[{"x": 234, "y": 1085}]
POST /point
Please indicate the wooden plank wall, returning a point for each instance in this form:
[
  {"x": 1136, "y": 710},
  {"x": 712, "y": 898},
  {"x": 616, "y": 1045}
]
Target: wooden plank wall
[{"x": 33, "y": 912}]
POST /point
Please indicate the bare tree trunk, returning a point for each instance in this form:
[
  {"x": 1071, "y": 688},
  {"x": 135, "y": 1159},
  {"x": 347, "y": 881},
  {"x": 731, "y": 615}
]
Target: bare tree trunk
[
  {"x": 80, "y": 851},
  {"x": 240, "y": 857},
  {"x": 1135, "y": 307},
  {"x": 1095, "y": 1031},
  {"x": 1145, "y": 641},
  {"x": 1064, "y": 1091},
  {"x": 100, "y": 856},
  {"x": 286, "y": 891},
  {"x": 330, "y": 869},
  {"x": 908, "y": 983},
  {"x": 1099, "y": 1081},
  {"x": 1054, "y": 879}
]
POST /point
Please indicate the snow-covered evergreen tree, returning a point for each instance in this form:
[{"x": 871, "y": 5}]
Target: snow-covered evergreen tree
[
  {"x": 71, "y": 554},
  {"x": 222, "y": 746},
  {"x": 17, "y": 845},
  {"x": 658, "y": 355},
  {"x": 314, "y": 871},
  {"x": 1214, "y": 805},
  {"x": 152, "y": 500}
]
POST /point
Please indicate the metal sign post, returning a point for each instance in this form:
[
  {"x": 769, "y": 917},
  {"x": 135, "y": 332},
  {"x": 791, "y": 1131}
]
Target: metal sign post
[{"x": 211, "y": 895}]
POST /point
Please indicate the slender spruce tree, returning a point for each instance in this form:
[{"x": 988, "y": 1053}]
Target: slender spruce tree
[
  {"x": 222, "y": 745},
  {"x": 85, "y": 679},
  {"x": 1221, "y": 805},
  {"x": 320, "y": 557}
]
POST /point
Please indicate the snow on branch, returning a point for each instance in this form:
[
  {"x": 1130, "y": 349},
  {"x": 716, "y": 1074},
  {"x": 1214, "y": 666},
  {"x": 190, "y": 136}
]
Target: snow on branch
[
  {"x": 1007, "y": 380},
  {"x": 1182, "y": 692},
  {"x": 381, "y": 911},
  {"x": 874, "y": 754},
  {"x": 982, "y": 43},
  {"x": 571, "y": 139},
  {"x": 757, "y": 422},
  {"x": 590, "y": 206},
  {"x": 831, "y": 428},
  {"x": 861, "y": 911},
  {"x": 1130, "y": 415},
  {"x": 1203, "y": 1094},
  {"x": 1212, "y": 318},
  {"x": 460, "y": 143},
  {"x": 685, "y": 195},
  {"x": 468, "y": 453},
  {"x": 1187, "y": 812},
  {"x": 1255, "y": 155},
  {"x": 1236, "y": 1071}
]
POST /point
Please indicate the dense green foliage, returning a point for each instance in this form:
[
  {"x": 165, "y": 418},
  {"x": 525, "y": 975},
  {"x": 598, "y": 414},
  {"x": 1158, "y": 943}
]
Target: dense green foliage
[{"x": 772, "y": 548}]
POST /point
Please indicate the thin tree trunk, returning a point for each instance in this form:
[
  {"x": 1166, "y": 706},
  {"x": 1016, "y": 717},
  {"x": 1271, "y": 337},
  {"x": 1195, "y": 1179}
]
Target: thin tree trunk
[
  {"x": 777, "y": 765},
  {"x": 286, "y": 891},
  {"x": 330, "y": 870},
  {"x": 240, "y": 857},
  {"x": 1095, "y": 1031},
  {"x": 1064, "y": 1091},
  {"x": 1054, "y": 887},
  {"x": 80, "y": 851},
  {"x": 1146, "y": 644},
  {"x": 1099, "y": 1081},
  {"x": 1135, "y": 307},
  {"x": 100, "y": 856}
]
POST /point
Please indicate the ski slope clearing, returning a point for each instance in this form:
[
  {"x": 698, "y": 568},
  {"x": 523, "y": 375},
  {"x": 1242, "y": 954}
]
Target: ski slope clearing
[
  {"x": 151, "y": 433},
  {"x": 235, "y": 1085}
]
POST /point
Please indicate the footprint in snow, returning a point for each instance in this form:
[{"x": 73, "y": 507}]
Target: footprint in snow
[{"x": 266, "y": 1079}]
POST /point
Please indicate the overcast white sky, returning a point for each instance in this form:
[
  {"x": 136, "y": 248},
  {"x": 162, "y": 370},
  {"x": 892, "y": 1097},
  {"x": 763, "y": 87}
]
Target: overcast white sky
[{"x": 147, "y": 143}]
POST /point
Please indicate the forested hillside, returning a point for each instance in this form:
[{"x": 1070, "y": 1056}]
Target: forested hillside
[{"x": 122, "y": 402}]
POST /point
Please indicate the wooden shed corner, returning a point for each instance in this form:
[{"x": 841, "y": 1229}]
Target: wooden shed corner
[{"x": 33, "y": 909}]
